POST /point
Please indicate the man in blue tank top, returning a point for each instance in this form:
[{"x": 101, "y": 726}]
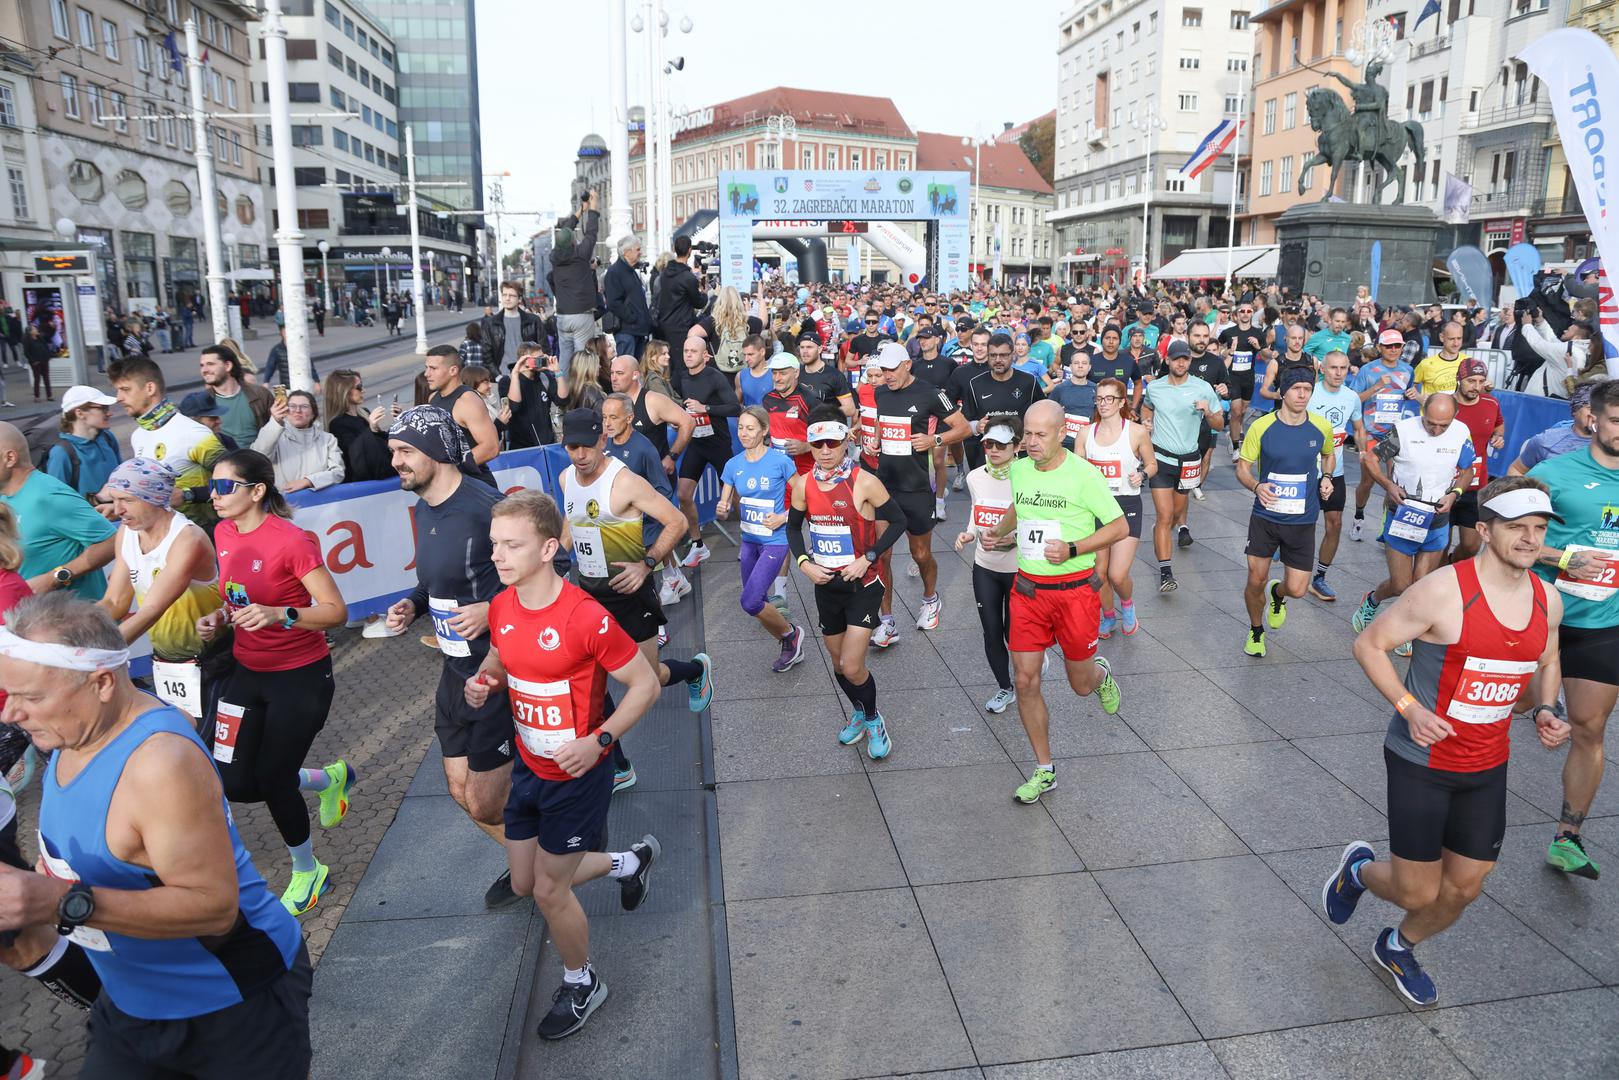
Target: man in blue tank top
[{"x": 202, "y": 969}]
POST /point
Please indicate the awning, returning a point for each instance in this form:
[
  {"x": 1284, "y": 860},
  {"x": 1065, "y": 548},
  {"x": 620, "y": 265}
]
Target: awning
[
  {"x": 251, "y": 274},
  {"x": 1088, "y": 257},
  {"x": 1197, "y": 264}
]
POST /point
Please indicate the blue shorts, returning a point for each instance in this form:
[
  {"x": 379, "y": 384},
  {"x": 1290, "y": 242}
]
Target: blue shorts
[
  {"x": 1437, "y": 539},
  {"x": 567, "y": 816}
]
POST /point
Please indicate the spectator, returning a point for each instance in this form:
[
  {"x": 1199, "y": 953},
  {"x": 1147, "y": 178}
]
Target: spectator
[
  {"x": 530, "y": 390},
  {"x": 478, "y": 379},
  {"x": 362, "y": 438},
  {"x": 65, "y": 543},
  {"x": 10, "y": 335},
  {"x": 471, "y": 348},
  {"x": 573, "y": 280},
  {"x": 680, "y": 297},
  {"x": 206, "y": 410},
  {"x": 305, "y": 455},
  {"x": 87, "y": 452},
  {"x": 247, "y": 406},
  {"x": 506, "y": 329},
  {"x": 188, "y": 320},
  {"x": 248, "y": 366},
  {"x": 37, "y": 348},
  {"x": 317, "y": 308},
  {"x": 655, "y": 369},
  {"x": 1562, "y": 359},
  {"x": 277, "y": 369},
  {"x": 625, "y": 297},
  {"x": 134, "y": 344}
]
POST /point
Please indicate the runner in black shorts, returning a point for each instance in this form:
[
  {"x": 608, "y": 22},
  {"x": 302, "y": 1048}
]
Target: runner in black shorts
[
  {"x": 710, "y": 400},
  {"x": 1240, "y": 344}
]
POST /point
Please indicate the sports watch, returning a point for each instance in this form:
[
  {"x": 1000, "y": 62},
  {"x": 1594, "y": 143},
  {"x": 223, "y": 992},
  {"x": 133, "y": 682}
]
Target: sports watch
[
  {"x": 651, "y": 563},
  {"x": 604, "y": 739},
  {"x": 75, "y": 908},
  {"x": 62, "y": 576},
  {"x": 289, "y": 618}
]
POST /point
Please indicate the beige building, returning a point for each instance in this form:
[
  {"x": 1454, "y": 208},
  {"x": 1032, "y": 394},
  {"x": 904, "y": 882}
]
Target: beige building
[
  {"x": 25, "y": 223},
  {"x": 1009, "y": 205}
]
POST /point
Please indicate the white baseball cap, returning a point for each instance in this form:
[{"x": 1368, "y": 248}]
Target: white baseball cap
[
  {"x": 891, "y": 354},
  {"x": 78, "y": 396}
]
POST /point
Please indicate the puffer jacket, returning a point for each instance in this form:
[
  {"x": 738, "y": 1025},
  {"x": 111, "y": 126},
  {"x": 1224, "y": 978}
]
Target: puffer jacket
[{"x": 301, "y": 452}]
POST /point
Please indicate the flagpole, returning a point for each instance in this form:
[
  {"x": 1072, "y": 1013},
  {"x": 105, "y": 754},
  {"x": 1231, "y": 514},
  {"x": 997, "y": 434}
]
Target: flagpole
[
  {"x": 212, "y": 247},
  {"x": 1236, "y": 161}
]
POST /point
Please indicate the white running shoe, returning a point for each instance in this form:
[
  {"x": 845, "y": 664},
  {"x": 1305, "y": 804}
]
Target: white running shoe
[
  {"x": 913, "y": 570},
  {"x": 928, "y": 617},
  {"x": 938, "y": 510},
  {"x": 673, "y": 591},
  {"x": 886, "y": 634},
  {"x": 1236, "y": 455},
  {"x": 1357, "y": 530},
  {"x": 696, "y": 555},
  {"x": 1000, "y": 701},
  {"x": 1197, "y": 493},
  {"x": 378, "y": 628},
  {"x": 960, "y": 482}
]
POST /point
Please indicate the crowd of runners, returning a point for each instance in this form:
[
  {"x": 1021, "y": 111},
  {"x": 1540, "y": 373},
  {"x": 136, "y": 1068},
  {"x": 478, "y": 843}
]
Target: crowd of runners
[{"x": 841, "y": 425}]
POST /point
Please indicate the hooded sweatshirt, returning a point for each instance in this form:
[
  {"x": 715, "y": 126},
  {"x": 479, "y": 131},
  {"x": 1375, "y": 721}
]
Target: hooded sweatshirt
[{"x": 300, "y": 452}]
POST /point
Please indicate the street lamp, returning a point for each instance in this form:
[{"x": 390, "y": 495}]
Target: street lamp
[
  {"x": 1150, "y": 123},
  {"x": 976, "y": 151},
  {"x": 325, "y": 281},
  {"x": 387, "y": 276},
  {"x": 658, "y": 137}
]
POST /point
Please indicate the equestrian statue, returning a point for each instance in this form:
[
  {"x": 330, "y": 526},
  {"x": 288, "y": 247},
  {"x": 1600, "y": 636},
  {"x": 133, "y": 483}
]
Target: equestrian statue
[{"x": 1366, "y": 135}]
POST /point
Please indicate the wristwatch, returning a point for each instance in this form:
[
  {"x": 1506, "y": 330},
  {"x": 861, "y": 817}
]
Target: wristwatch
[
  {"x": 75, "y": 908},
  {"x": 938, "y": 440},
  {"x": 604, "y": 739},
  {"x": 289, "y": 619},
  {"x": 651, "y": 563},
  {"x": 62, "y": 575}
]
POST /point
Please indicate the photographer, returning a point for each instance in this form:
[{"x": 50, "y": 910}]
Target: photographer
[
  {"x": 573, "y": 279},
  {"x": 680, "y": 300},
  {"x": 529, "y": 392},
  {"x": 626, "y": 300}
]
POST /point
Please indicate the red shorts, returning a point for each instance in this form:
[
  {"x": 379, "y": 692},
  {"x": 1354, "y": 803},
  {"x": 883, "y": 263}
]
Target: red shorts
[{"x": 1068, "y": 617}]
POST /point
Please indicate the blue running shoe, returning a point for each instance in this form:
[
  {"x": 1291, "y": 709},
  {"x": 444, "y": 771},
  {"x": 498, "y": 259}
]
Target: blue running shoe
[
  {"x": 877, "y": 741},
  {"x": 1321, "y": 590},
  {"x": 1340, "y": 894},
  {"x": 1127, "y": 619},
  {"x": 1409, "y": 978},
  {"x": 854, "y": 729},
  {"x": 701, "y": 689},
  {"x": 1104, "y": 629},
  {"x": 1365, "y": 613}
]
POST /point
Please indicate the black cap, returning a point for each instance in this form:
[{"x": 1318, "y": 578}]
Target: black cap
[
  {"x": 965, "y": 323},
  {"x": 1178, "y": 348},
  {"x": 200, "y": 403},
  {"x": 807, "y": 335},
  {"x": 930, "y": 331},
  {"x": 581, "y": 427}
]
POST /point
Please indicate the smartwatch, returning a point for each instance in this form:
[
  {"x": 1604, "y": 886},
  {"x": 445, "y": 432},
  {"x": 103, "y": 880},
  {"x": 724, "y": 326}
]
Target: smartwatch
[
  {"x": 1073, "y": 550},
  {"x": 604, "y": 739},
  {"x": 651, "y": 563},
  {"x": 75, "y": 908},
  {"x": 289, "y": 618},
  {"x": 62, "y": 575}
]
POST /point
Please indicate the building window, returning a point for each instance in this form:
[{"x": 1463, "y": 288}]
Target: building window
[
  {"x": 337, "y": 98},
  {"x": 1188, "y": 102},
  {"x": 109, "y": 38},
  {"x": 143, "y": 55},
  {"x": 87, "y": 29},
  {"x": 854, "y": 159},
  {"x": 1232, "y": 104},
  {"x": 1176, "y": 184},
  {"x": 1265, "y": 177},
  {"x": 170, "y": 129},
  {"x": 187, "y": 140},
  {"x": 334, "y": 57},
  {"x": 98, "y": 107},
  {"x": 19, "y": 193},
  {"x": 1239, "y": 20},
  {"x": 1307, "y": 181},
  {"x": 334, "y": 16},
  {"x": 309, "y": 176},
  {"x": 307, "y": 135},
  {"x": 59, "y": 20},
  {"x": 340, "y": 139},
  {"x": 807, "y": 157},
  {"x": 1192, "y": 17},
  {"x": 149, "y": 120},
  {"x": 140, "y": 263},
  {"x": 230, "y": 93},
  {"x": 1285, "y": 181},
  {"x": 1191, "y": 63},
  {"x": 8, "y": 107},
  {"x": 222, "y": 152},
  {"x": 1290, "y": 112},
  {"x": 1236, "y": 63},
  {"x": 1425, "y": 99}
]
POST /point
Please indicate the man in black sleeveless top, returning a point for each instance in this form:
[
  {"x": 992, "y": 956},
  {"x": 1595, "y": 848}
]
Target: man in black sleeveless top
[{"x": 443, "y": 368}]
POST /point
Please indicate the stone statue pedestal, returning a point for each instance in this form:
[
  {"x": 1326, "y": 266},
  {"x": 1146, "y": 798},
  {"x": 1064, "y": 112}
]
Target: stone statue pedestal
[{"x": 1326, "y": 249}]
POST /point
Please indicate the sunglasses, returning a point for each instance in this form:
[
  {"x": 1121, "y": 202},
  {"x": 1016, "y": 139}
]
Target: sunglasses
[
  {"x": 227, "y": 487},
  {"x": 991, "y": 444},
  {"x": 1391, "y": 345},
  {"x": 871, "y": 322},
  {"x": 825, "y": 444}
]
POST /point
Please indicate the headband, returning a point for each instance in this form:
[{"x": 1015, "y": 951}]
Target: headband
[
  {"x": 54, "y": 655},
  {"x": 431, "y": 430},
  {"x": 999, "y": 433},
  {"x": 147, "y": 480},
  {"x": 827, "y": 429}
]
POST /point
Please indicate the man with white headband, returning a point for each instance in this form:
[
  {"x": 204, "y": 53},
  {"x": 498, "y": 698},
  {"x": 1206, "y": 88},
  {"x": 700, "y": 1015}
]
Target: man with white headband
[
  {"x": 143, "y": 868},
  {"x": 1481, "y": 630}
]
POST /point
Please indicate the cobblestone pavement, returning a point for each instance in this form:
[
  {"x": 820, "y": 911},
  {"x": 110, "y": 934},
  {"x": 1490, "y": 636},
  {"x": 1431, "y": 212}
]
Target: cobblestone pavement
[{"x": 381, "y": 722}]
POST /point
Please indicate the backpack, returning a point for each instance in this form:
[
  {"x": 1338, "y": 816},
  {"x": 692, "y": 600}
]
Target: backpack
[
  {"x": 43, "y": 434},
  {"x": 728, "y": 355}
]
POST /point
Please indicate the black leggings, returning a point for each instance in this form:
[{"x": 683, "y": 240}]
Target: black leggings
[
  {"x": 283, "y": 711},
  {"x": 993, "y": 591}
]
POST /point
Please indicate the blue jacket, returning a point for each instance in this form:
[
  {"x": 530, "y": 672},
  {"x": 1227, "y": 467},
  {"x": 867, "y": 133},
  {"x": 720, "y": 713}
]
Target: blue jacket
[{"x": 98, "y": 457}]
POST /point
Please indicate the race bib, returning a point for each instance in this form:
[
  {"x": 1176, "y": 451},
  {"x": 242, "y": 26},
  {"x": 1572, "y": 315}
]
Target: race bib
[
  {"x": 868, "y": 430},
  {"x": 705, "y": 426},
  {"x": 894, "y": 434},
  {"x": 1112, "y": 470},
  {"x": 1032, "y": 535},
  {"x": 1291, "y": 496},
  {"x": 1191, "y": 474},
  {"x": 227, "y": 727},
  {"x": 754, "y": 512},
  {"x": 1605, "y": 587},
  {"x": 832, "y": 546},
  {"x": 1242, "y": 361},
  {"x": 1388, "y": 408},
  {"x": 94, "y": 940},
  {"x": 1486, "y": 689},
  {"x": 543, "y": 713},
  {"x": 1412, "y": 521},
  {"x": 180, "y": 685},
  {"x": 588, "y": 551},
  {"x": 449, "y": 642},
  {"x": 988, "y": 514},
  {"x": 1338, "y": 438},
  {"x": 1075, "y": 426}
]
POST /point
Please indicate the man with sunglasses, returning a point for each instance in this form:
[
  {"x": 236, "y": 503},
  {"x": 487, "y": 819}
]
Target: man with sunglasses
[
  {"x": 1240, "y": 344},
  {"x": 1381, "y": 384},
  {"x": 863, "y": 346},
  {"x": 1000, "y": 388}
]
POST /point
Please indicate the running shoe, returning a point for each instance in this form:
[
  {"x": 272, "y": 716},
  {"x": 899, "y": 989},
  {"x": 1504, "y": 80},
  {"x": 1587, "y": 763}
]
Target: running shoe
[
  {"x": 1403, "y": 649},
  {"x": 633, "y": 890},
  {"x": 306, "y": 888},
  {"x": 1000, "y": 701},
  {"x": 1166, "y": 581},
  {"x": 855, "y": 729},
  {"x": 623, "y": 779},
  {"x": 913, "y": 570},
  {"x": 701, "y": 688},
  {"x": 878, "y": 743},
  {"x": 334, "y": 801},
  {"x": 378, "y": 628},
  {"x": 1107, "y": 691},
  {"x": 673, "y": 590},
  {"x": 792, "y": 651},
  {"x": 938, "y": 510},
  {"x": 1104, "y": 629},
  {"x": 1365, "y": 613},
  {"x": 1409, "y": 978},
  {"x": 25, "y": 1067},
  {"x": 1184, "y": 537},
  {"x": 1030, "y": 790},
  {"x": 1340, "y": 893},
  {"x": 1197, "y": 493},
  {"x": 1357, "y": 530},
  {"x": 429, "y": 641},
  {"x": 1275, "y": 605},
  {"x": 500, "y": 893},
  {"x": 663, "y": 636},
  {"x": 1567, "y": 853},
  {"x": 696, "y": 555},
  {"x": 1127, "y": 619},
  {"x": 1236, "y": 455},
  {"x": 1254, "y": 643},
  {"x": 780, "y": 603},
  {"x": 571, "y": 1006},
  {"x": 886, "y": 634},
  {"x": 1321, "y": 590},
  {"x": 928, "y": 617},
  {"x": 960, "y": 482}
]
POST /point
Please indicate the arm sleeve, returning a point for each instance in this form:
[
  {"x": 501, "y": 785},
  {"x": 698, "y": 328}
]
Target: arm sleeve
[
  {"x": 795, "y": 530},
  {"x": 890, "y": 512}
]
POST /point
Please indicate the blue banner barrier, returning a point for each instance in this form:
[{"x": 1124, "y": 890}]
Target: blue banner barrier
[{"x": 1526, "y": 416}]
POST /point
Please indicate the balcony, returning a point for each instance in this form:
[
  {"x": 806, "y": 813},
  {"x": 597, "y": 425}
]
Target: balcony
[
  {"x": 1430, "y": 46},
  {"x": 1562, "y": 206},
  {"x": 1509, "y": 114},
  {"x": 1095, "y": 137},
  {"x": 1507, "y": 201}
]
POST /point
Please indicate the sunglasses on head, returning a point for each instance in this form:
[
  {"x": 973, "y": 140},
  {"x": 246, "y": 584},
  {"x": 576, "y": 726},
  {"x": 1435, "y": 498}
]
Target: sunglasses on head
[{"x": 227, "y": 487}]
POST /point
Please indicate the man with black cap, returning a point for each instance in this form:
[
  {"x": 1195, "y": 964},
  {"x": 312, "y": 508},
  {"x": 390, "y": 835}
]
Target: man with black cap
[
  {"x": 1180, "y": 403},
  {"x": 934, "y": 368},
  {"x": 824, "y": 379},
  {"x": 603, "y": 504},
  {"x": 710, "y": 400},
  {"x": 455, "y": 580}
]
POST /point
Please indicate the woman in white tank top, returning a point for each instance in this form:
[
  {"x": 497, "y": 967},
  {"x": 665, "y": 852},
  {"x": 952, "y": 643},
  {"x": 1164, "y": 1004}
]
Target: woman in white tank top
[{"x": 1122, "y": 450}]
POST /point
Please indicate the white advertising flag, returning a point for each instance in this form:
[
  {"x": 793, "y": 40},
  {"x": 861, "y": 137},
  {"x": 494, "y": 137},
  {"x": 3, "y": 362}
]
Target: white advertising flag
[
  {"x": 1458, "y": 199},
  {"x": 1581, "y": 73}
]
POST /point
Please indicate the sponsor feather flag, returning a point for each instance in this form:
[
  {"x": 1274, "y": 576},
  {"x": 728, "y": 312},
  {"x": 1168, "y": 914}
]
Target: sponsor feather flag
[{"x": 1213, "y": 145}]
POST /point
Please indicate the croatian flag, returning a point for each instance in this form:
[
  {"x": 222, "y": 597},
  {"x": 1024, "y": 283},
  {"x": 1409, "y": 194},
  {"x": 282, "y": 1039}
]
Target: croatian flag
[{"x": 1213, "y": 145}]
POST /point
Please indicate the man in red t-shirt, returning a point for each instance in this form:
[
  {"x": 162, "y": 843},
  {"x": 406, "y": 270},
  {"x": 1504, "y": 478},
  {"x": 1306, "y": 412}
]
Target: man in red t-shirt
[
  {"x": 1482, "y": 415},
  {"x": 552, "y": 648}
]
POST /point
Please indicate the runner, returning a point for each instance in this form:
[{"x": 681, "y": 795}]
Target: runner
[
  {"x": 1179, "y": 404},
  {"x": 1424, "y": 463},
  {"x": 1240, "y": 344},
  {"x": 1121, "y": 449},
  {"x": 561, "y": 784},
  {"x": 788, "y": 406},
  {"x": 279, "y": 599},
  {"x": 1381, "y": 384},
  {"x": 1001, "y": 388},
  {"x": 972, "y": 359},
  {"x": 1564, "y": 438},
  {"x": 478, "y": 434},
  {"x": 605, "y": 503},
  {"x": 1062, "y": 514},
  {"x": 1479, "y": 410},
  {"x": 162, "y": 434},
  {"x": 1292, "y": 355},
  {"x": 163, "y": 579},
  {"x": 1077, "y": 395},
  {"x": 756, "y": 483},
  {"x": 1580, "y": 559},
  {"x": 935, "y": 369},
  {"x": 201, "y": 970},
  {"x": 1208, "y": 366},
  {"x": 913, "y": 418},
  {"x": 842, "y": 503},
  {"x": 1437, "y": 374},
  {"x": 1287, "y": 462},
  {"x": 1341, "y": 408},
  {"x": 1110, "y": 363},
  {"x": 455, "y": 581},
  {"x": 652, "y": 415},
  {"x": 994, "y": 560},
  {"x": 753, "y": 377},
  {"x": 1481, "y": 629},
  {"x": 710, "y": 401},
  {"x": 826, "y": 380}
]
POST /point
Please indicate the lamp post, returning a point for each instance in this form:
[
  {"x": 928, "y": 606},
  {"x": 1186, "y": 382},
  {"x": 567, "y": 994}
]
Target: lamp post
[
  {"x": 288, "y": 239},
  {"x": 976, "y": 148},
  {"x": 213, "y": 249},
  {"x": 325, "y": 278},
  {"x": 462, "y": 287},
  {"x": 387, "y": 275},
  {"x": 1150, "y": 123}
]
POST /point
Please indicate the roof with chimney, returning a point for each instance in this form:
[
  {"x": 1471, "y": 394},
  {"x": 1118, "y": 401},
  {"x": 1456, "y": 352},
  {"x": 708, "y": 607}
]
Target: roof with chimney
[{"x": 1004, "y": 164}]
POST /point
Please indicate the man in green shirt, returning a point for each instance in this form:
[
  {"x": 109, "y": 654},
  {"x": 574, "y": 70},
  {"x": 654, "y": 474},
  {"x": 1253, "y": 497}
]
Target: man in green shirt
[
  {"x": 65, "y": 543},
  {"x": 1063, "y": 514}
]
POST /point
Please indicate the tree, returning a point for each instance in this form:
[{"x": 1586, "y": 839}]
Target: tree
[{"x": 1039, "y": 145}]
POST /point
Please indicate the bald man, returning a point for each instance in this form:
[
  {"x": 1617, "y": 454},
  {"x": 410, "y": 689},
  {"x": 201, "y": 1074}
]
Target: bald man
[{"x": 65, "y": 543}]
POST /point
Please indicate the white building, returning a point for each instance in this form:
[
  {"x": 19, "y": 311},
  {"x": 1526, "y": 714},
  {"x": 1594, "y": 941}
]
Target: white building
[
  {"x": 24, "y": 220},
  {"x": 1130, "y": 73},
  {"x": 1011, "y": 202}
]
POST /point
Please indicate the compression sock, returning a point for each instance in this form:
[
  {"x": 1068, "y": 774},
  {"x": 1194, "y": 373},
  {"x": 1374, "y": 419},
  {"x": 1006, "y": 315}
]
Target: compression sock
[
  {"x": 1163, "y": 568},
  {"x": 682, "y": 671},
  {"x": 1128, "y": 605},
  {"x": 313, "y": 780},
  {"x": 868, "y": 695},
  {"x": 625, "y": 863},
  {"x": 303, "y": 857},
  {"x": 1360, "y": 512},
  {"x": 66, "y": 972},
  {"x": 849, "y": 690},
  {"x": 1110, "y": 613}
]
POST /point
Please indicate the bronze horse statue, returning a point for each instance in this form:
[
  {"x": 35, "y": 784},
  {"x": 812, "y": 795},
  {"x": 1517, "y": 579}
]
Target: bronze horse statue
[{"x": 1338, "y": 142}]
